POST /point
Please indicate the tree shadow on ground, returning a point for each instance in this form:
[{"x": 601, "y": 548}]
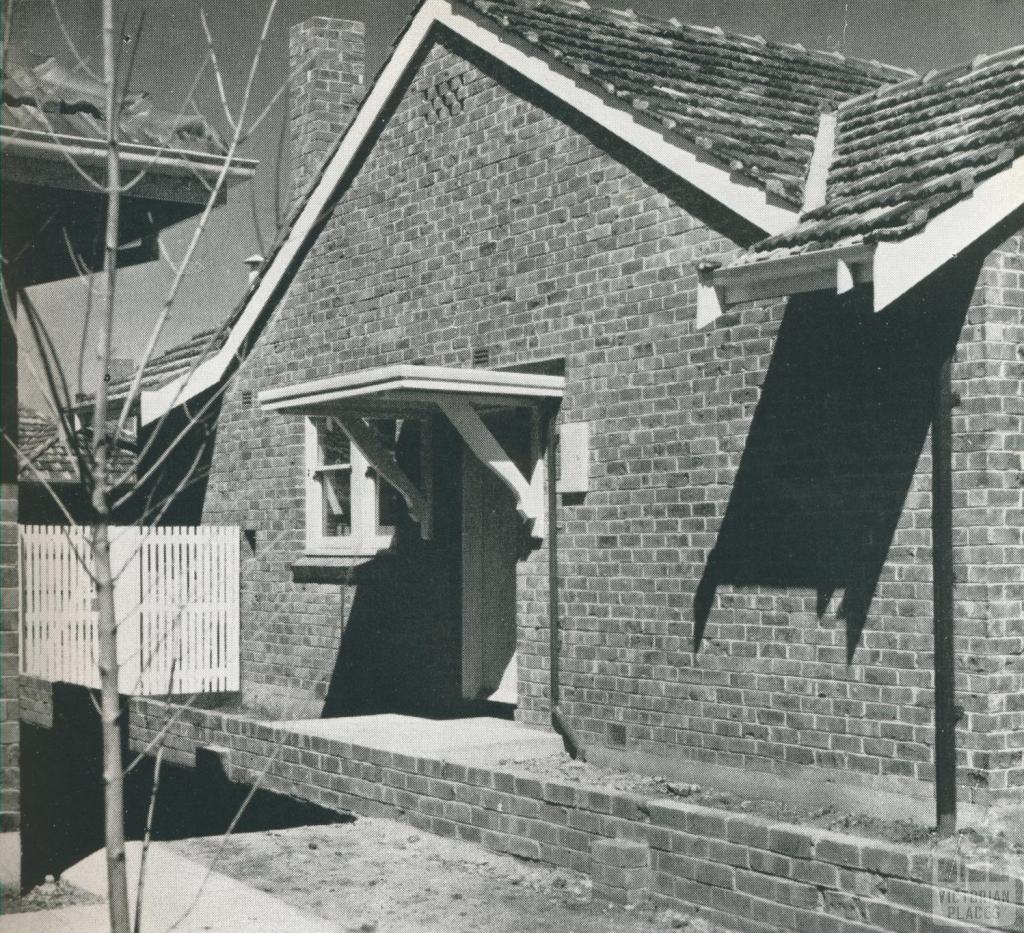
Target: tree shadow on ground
[{"x": 62, "y": 794}]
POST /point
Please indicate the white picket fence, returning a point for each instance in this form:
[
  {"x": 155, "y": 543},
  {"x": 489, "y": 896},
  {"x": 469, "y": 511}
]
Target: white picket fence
[{"x": 176, "y": 600}]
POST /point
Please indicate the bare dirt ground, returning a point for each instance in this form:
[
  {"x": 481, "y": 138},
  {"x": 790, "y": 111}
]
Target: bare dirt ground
[
  {"x": 562, "y": 768},
  {"x": 50, "y": 895},
  {"x": 377, "y": 876}
]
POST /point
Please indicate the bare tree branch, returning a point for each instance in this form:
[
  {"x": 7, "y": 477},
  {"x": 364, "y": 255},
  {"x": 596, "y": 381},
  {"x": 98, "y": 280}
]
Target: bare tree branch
[
  {"x": 165, "y": 145},
  {"x": 146, "y": 837},
  {"x": 71, "y": 43},
  {"x": 200, "y": 227},
  {"x": 158, "y": 738},
  {"x": 216, "y": 69},
  {"x": 297, "y": 70},
  {"x": 41, "y": 479},
  {"x": 227, "y": 835}
]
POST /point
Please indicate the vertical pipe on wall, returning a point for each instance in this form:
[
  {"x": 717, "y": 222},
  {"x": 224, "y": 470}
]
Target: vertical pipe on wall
[
  {"x": 558, "y": 721},
  {"x": 942, "y": 582}
]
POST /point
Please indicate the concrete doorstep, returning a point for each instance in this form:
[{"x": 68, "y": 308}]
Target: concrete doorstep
[{"x": 172, "y": 883}]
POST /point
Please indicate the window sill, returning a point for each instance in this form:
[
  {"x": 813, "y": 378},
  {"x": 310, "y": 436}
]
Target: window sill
[{"x": 328, "y": 568}]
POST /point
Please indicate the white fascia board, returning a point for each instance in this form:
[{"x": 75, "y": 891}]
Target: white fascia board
[
  {"x": 399, "y": 378},
  {"x": 209, "y": 373},
  {"x": 745, "y": 198},
  {"x": 902, "y": 264},
  {"x": 817, "y": 173}
]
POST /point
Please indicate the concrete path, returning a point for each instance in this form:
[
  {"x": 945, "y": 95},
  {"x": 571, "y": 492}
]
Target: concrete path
[
  {"x": 480, "y": 740},
  {"x": 224, "y": 904}
]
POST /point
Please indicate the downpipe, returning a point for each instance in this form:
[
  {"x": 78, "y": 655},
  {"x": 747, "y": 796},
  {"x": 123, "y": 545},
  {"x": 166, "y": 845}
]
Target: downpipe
[{"x": 559, "y": 722}]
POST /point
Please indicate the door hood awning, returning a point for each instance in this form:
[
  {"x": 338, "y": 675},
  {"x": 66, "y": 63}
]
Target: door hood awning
[{"x": 404, "y": 390}]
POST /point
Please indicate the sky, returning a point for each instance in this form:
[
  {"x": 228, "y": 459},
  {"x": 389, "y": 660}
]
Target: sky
[{"x": 920, "y": 34}]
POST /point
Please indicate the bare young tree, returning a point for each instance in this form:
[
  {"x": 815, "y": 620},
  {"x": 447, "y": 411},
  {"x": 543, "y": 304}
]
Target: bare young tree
[{"x": 96, "y": 449}]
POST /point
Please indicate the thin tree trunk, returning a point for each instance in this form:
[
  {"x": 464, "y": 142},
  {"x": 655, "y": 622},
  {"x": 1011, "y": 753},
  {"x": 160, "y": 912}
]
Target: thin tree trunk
[{"x": 110, "y": 703}]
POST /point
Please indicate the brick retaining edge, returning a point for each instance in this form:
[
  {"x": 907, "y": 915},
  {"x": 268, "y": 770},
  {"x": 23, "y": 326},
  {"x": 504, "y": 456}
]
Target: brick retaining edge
[{"x": 732, "y": 867}]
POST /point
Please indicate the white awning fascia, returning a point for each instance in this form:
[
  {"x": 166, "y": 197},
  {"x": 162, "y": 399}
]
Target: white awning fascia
[
  {"x": 838, "y": 269},
  {"x": 407, "y": 388},
  {"x": 402, "y": 390}
]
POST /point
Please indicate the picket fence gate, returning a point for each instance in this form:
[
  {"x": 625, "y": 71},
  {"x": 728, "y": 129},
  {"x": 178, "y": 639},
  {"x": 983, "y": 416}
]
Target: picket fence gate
[{"x": 176, "y": 600}]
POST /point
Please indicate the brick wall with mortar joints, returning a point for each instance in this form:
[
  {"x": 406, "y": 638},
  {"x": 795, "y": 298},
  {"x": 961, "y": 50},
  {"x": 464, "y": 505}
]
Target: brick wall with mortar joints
[
  {"x": 327, "y": 57},
  {"x": 732, "y": 866},
  {"x": 500, "y": 226},
  {"x": 10, "y": 751},
  {"x": 991, "y": 543}
]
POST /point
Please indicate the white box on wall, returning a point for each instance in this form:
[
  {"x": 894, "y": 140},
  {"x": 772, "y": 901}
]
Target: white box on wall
[{"x": 574, "y": 457}]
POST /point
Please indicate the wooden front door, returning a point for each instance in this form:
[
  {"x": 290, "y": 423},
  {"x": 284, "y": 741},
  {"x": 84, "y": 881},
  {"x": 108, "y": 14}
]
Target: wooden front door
[{"x": 490, "y": 532}]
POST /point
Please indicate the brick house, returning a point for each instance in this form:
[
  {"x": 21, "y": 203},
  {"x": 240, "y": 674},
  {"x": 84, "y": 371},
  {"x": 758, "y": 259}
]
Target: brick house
[{"x": 740, "y": 281}]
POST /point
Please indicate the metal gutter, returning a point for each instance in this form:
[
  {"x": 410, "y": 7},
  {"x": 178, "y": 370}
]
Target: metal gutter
[{"x": 93, "y": 152}]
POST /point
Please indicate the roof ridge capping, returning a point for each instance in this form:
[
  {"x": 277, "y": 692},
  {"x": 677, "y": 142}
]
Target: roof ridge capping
[{"x": 977, "y": 65}]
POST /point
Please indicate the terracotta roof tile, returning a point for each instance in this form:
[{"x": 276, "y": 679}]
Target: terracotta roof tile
[
  {"x": 752, "y": 103},
  {"x": 49, "y": 97},
  {"x": 905, "y": 153},
  {"x": 39, "y": 441}
]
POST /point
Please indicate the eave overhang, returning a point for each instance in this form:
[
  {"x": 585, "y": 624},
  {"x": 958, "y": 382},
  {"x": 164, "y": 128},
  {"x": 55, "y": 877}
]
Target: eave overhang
[
  {"x": 459, "y": 395},
  {"x": 893, "y": 267},
  {"x": 838, "y": 269},
  {"x": 405, "y": 390},
  {"x": 134, "y": 156}
]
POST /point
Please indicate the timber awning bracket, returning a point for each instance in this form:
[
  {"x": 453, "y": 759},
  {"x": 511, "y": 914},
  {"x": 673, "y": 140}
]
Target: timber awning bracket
[
  {"x": 382, "y": 459},
  {"x": 462, "y": 396}
]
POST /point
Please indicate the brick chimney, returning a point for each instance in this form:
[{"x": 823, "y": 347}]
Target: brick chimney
[{"x": 324, "y": 94}]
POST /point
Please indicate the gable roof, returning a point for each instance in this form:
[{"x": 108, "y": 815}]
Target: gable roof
[
  {"x": 738, "y": 117},
  {"x": 709, "y": 107},
  {"x": 919, "y": 171},
  {"x": 907, "y": 152},
  {"x": 752, "y": 103}
]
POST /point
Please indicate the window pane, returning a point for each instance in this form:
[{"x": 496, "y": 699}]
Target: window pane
[
  {"x": 390, "y": 505},
  {"x": 336, "y": 486},
  {"x": 334, "y": 443}
]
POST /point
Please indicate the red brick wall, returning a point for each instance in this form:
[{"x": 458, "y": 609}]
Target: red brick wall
[
  {"x": 10, "y": 810},
  {"x": 760, "y": 490},
  {"x": 9, "y": 636},
  {"x": 327, "y": 59},
  {"x": 990, "y": 539},
  {"x": 738, "y": 869}
]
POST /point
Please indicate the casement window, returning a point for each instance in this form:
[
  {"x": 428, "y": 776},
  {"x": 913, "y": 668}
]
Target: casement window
[{"x": 349, "y": 509}]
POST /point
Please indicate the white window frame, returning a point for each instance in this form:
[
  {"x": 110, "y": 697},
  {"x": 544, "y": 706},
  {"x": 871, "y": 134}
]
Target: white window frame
[{"x": 365, "y": 539}]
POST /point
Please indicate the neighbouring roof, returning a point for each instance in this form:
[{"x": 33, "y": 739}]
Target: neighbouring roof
[
  {"x": 39, "y": 442},
  {"x": 752, "y": 103},
  {"x": 176, "y": 361},
  {"x": 906, "y": 152},
  {"x": 50, "y": 98}
]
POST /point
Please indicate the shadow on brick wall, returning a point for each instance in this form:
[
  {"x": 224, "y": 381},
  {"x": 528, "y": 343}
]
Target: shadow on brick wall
[
  {"x": 832, "y": 449},
  {"x": 400, "y": 649}
]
